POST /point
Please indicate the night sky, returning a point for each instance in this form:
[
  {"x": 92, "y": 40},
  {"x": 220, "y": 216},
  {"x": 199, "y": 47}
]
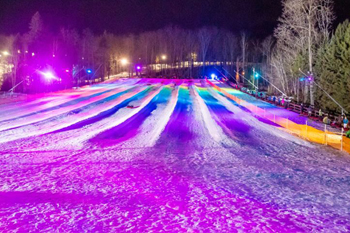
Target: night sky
[{"x": 257, "y": 17}]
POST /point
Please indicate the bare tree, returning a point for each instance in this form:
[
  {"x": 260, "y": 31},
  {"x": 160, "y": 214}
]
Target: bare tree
[
  {"x": 303, "y": 25},
  {"x": 232, "y": 46},
  {"x": 205, "y": 36},
  {"x": 244, "y": 47}
]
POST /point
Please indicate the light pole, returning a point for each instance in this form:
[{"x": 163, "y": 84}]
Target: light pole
[
  {"x": 89, "y": 71},
  {"x": 125, "y": 62},
  {"x": 138, "y": 69},
  {"x": 256, "y": 76},
  {"x": 161, "y": 65},
  {"x": 311, "y": 79},
  {"x": 260, "y": 76}
]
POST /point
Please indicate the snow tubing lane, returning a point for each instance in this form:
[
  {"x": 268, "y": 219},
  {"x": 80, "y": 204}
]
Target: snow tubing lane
[
  {"x": 129, "y": 128},
  {"x": 59, "y": 106},
  {"x": 106, "y": 113}
]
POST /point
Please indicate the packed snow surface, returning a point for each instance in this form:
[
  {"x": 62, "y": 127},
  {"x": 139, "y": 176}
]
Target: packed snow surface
[{"x": 153, "y": 155}]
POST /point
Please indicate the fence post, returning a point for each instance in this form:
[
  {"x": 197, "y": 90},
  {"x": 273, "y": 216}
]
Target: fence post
[
  {"x": 306, "y": 131},
  {"x": 325, "y": 134},
  {"x": 341, "y": 143}
]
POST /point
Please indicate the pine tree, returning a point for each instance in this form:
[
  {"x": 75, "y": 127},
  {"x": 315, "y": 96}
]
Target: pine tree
[
  {"x": 35, "y": 26},
  {"x": 333, "y": 69}
]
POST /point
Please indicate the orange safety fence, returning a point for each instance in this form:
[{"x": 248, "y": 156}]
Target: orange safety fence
[
  {"x": 346, "y": 144},
  {"x": 335, "y": 140}
]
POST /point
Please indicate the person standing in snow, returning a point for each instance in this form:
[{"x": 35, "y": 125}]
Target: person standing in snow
[
  {"x": 301, "y": 108},
  {"x": 309, "y": 111},
  {"x": 325, "y": 120},
  {"x": 345, "y": 122},
  {"x": 320, "y": 114}
]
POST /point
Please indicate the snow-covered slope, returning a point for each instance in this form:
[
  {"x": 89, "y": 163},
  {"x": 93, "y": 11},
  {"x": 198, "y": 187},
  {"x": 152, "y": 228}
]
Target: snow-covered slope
[{"x": 151, "y": 155}]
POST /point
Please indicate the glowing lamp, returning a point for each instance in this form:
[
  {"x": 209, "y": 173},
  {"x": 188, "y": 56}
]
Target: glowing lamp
[
  {"x": 67, "y": 71},
  {"x": 212, "y": 76},
  {"x": 48, "y": 75},
  {"x": 124, "y": 61},
  {"x": 256, "y": 75},
  {"x": 89, "y": 71},
  {"x": 138, "y": 67}
]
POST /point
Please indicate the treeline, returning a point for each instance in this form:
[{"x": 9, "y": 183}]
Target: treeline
[
  {"x": 306, "y": 59},
  {"x": 171, "y": 51}
]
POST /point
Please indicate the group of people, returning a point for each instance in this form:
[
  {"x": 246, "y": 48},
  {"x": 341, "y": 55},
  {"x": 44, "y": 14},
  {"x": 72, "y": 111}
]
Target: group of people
[
  {"x": 343, "y": 119},
  {"x": 281, "y": 101},
  {"x": 337, "y": 121}
]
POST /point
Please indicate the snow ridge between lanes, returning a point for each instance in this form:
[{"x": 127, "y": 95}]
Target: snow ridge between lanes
[
  {"x": 163, "y": 121},
  {"x": 213, "y": 128}
]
